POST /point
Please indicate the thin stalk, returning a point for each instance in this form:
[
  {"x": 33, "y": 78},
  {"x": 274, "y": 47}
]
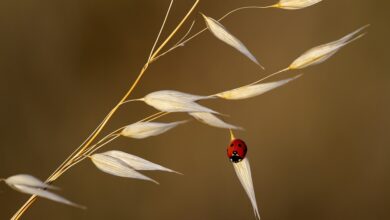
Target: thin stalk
[
  {"x": 243, "y": 8},
  {"x": 66, "y": 161},
  {"x": 232, "y": 137},
  {"x": 260, "y": 80},
  {"x": 88, "y": 153},
  {"x": 269, "y": 76},
  {"x": 158, "y": 116},
  {"x": 174, "y": 31},
  {"x": 80, "y": 151},
  {"x": 161, "y": 29},
  {"x": 131, "y": 100},
  {"x": 97, "y": 144},
  {"x": 102, "y": 141},
  {"x": 102, "y": 145},
  {"x": 151, "y": 116},
  {"x": 117, "y": 131},
  {"x": 180, "y": 43},
  {"x": 113, "y": 135},
  {"x": 204, "y": 29},
  {"x": 77, "y": 149}
]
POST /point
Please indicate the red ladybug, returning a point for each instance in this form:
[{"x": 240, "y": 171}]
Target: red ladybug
[{"x": 236, "y": 151}]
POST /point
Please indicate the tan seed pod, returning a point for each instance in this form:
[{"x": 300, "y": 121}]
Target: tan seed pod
[
  {"x": 135, "y": 162},
  {"x": 323, "y": 52},
  {"x": 28, "y": 184},
  {"x": 243, "y": 171},
  {"x": 117, "y": 167},
  {"x": 253, "y": 90},
  {"x": 295, "y": 4},
  {"x": 220, "y": 32},
  {"x": 212, "y": 120},
  {"x": 174, "y": 101},
  {"x": 142, "y": 130}
]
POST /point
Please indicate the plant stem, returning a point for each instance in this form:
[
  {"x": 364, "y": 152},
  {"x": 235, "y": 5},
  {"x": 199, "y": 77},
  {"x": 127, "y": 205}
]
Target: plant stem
[
  {"x": 151, "y": 116},
  {"x": 260, "y": 80},
  {"x": 161, "y": 29},
  {"x": 158, "y": 116},
  {"x": 232, "y": 137},
  {"x": 183, "y": 42},
  {"x": 76, "y": 150},
  {"x": 87, "y": 154},
  {"x": 97, "y": 131},
  {"x": 102, "y": 142},
  {"x": 271, "y": 75},
  {"x": 243, "y": 8}
]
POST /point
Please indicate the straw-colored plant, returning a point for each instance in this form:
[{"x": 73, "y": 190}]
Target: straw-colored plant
[{"x": 167, "y": 102}]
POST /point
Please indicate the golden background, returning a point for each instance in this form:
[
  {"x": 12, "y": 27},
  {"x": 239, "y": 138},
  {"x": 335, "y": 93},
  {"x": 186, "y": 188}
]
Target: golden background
[{"x": 319, "y": 146}]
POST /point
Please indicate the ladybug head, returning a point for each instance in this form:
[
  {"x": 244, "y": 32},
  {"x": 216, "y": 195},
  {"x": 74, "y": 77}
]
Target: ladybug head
[{"x": 235, "y": 158}]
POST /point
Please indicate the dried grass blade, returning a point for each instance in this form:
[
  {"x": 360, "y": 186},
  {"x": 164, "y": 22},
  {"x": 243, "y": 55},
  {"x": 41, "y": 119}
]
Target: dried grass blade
[
  {"x": 250, "y": 91},
  {"x": 142, "y": 130},
  {"x": 117, "y": 167},
  {"x": 212, "y": 120},
  {"x": 174, "y": 101},
  {"x": 295, "y": 4},
  {"x": 243, "y": 171},
  {"x": 137, "y": 163},
  {"x": 28, "y": 184},
  {"x": 177, "y": 96},
  {"x": 45, "y": 194},
  {"x": 323, "y": 52},
  {"x": 28, "y": 180},
  {"x": 220, "y": 32}
]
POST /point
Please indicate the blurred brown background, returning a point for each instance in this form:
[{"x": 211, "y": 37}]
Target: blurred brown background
[{"x": 319, "y": 147}]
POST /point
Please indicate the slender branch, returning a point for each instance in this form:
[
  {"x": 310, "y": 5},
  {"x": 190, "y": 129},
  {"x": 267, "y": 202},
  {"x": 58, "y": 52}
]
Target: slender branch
[
  {"x": 96, "y": 147},
  {"x": 77, "y": 149},
  {"x": 232, "y": 137},
  {"x": 178, "y": 44},
  {"x": 111, "y": 137},
  {"x": 161, "y": 29},
  {"x": 243, "y": 8},
  {"x": 151, "y": 116},
  {"x": 102, "y": 145},
  {"x": 158, "y": 116},
  {"x": 204, "y": 29},
  {"x": 97, "y": 131},
  {"x": 82, "y": 157},
  {"x": 269, "y": 76},
  {"x": 112, "y": 134},
  {"x": 260, "y": 80},
  {"x": 31, "y": 200},
  {"x": 131, "y": 100},
  {"x": 174, "y": 31}
]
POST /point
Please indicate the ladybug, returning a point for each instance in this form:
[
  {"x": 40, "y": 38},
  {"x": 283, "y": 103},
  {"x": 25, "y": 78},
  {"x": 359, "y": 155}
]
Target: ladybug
[{"x": 236, "y": 151}]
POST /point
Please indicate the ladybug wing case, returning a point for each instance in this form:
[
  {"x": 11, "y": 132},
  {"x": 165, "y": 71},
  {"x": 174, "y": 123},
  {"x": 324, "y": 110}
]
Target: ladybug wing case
[{"x": 236, "y": 151}]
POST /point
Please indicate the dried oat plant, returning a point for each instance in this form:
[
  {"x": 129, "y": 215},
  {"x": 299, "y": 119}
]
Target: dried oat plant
[{"x": 167, "y": 102}]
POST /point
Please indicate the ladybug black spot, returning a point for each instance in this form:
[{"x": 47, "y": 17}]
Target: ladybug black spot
[
  {"x": 239, "y": 145},
  {"x": 232, "y": 145}
]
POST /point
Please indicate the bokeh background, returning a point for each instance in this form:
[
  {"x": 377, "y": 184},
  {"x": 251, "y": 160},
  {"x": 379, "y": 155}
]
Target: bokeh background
[{"x": 319, "y": 147}]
